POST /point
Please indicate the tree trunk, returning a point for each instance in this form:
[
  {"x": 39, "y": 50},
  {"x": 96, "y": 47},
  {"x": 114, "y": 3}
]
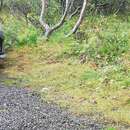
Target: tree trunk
[
  {"x": 48, "y": 29},
  {"x": 80, "y": 18}
]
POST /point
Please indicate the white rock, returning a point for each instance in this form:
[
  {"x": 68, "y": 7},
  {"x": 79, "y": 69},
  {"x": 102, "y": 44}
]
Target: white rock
[{"x": 44, "y": 90}]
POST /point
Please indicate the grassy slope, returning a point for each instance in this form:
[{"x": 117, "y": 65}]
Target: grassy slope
[{"x": 84, "y": 88}]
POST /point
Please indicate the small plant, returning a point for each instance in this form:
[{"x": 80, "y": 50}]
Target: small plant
[
  {"x": 17, "y": 33},
  {"x": 110, "y": 129},
  {"x": 91, "y": 75},
  {"x": 104, "y": 42},
  {"x": 11, "y": 32},
  {"x": 29, "y": 37}
]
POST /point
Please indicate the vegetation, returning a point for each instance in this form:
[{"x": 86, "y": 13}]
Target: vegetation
[{"x": 88, "y": 72}]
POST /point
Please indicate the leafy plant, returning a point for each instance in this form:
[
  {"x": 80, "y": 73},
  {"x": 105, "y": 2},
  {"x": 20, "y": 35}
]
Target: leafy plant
[
  {"x": 110, "y": 129},
  {"x": 104, "y": 42},
  {"x": 17, "y": 33},
  {"x": 29, "y": 37},
  {"x": 91, "y": 75}
]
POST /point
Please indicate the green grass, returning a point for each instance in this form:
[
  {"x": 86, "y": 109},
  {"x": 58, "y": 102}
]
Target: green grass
[
  {"x": 77, "y": 86},
  {"x": 53, "y": 68},
  {"x": 111, "y": 129}
]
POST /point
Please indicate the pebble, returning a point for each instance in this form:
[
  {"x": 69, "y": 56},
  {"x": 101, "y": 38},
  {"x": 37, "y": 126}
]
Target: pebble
[{"x": 25, "y": 111}]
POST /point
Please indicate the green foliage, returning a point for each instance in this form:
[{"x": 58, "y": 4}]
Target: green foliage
[
  {"x": 91, "y": 75},
  {"x": 17, "y": 33},
  {"x": 110, "y": 129},
  {"x": 11, "y": 32},
  {"x": 108, "y": 46},
  {"x": 29, "y": 37},
  {"x": 53, "y": 11},
  {"x": 105, "y": 40},
  {"x": 88, "y": 87}
]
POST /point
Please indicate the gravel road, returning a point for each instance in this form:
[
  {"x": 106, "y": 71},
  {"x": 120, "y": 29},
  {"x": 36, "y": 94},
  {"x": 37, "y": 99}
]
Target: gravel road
[{"x": 21, "y": 109}]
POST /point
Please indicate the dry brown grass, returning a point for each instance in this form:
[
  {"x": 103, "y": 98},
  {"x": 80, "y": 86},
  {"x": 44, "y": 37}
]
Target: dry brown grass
[{"x": 64, "y": 81}]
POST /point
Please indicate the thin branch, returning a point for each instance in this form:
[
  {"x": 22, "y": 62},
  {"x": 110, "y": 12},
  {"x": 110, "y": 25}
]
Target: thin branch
[
  {"x": 48, "y": 29},
  {"x": 63, "y": 17},
  {"x": 74, "y": 13},
  {"x": 42, "y": 19},
  {"x": 80, "y": 19}
]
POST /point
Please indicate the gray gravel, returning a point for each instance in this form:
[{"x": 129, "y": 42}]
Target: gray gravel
[{"x": 21, "y": 109}]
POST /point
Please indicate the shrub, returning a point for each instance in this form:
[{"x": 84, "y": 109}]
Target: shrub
[
  {"x": 11, "y": 32},
  {"x": 29, "y": 36},
  {"x": 105, "y": 40},
  {"x": 18, "y": 33},
  {"x": 107, "y": 46}
]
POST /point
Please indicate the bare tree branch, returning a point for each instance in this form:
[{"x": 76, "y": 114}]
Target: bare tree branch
[
  {"x": 42, "y": 19},
  {"x": 80, "y": 19},
  {"x": 74, "y": 13},
  {"x": 48, "y": 29}
]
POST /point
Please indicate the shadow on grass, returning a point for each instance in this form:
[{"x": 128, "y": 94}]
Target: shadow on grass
[{"x": 5, "y": 79}]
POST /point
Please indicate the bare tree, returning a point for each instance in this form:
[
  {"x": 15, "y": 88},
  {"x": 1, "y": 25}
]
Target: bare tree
[
  {"x": 69, "y": 5},
  {"x": 80, "y": 19},
  {"x": 50, "y": 29}
]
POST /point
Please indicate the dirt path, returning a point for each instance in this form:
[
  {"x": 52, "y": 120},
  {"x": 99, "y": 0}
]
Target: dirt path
[{"x": 21, "y": 109}]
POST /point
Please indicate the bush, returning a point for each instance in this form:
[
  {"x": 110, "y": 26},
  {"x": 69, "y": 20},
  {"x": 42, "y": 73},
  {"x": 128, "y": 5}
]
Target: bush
[
  {"x": 11, "y": 32},
  {"x": 29, "y": 37},
  {"x": 17, "y": 33},
  {"x": 106, "y": 48},
  {"x": 109, "y": 46},
  {"x": 103, "y": 43}
]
